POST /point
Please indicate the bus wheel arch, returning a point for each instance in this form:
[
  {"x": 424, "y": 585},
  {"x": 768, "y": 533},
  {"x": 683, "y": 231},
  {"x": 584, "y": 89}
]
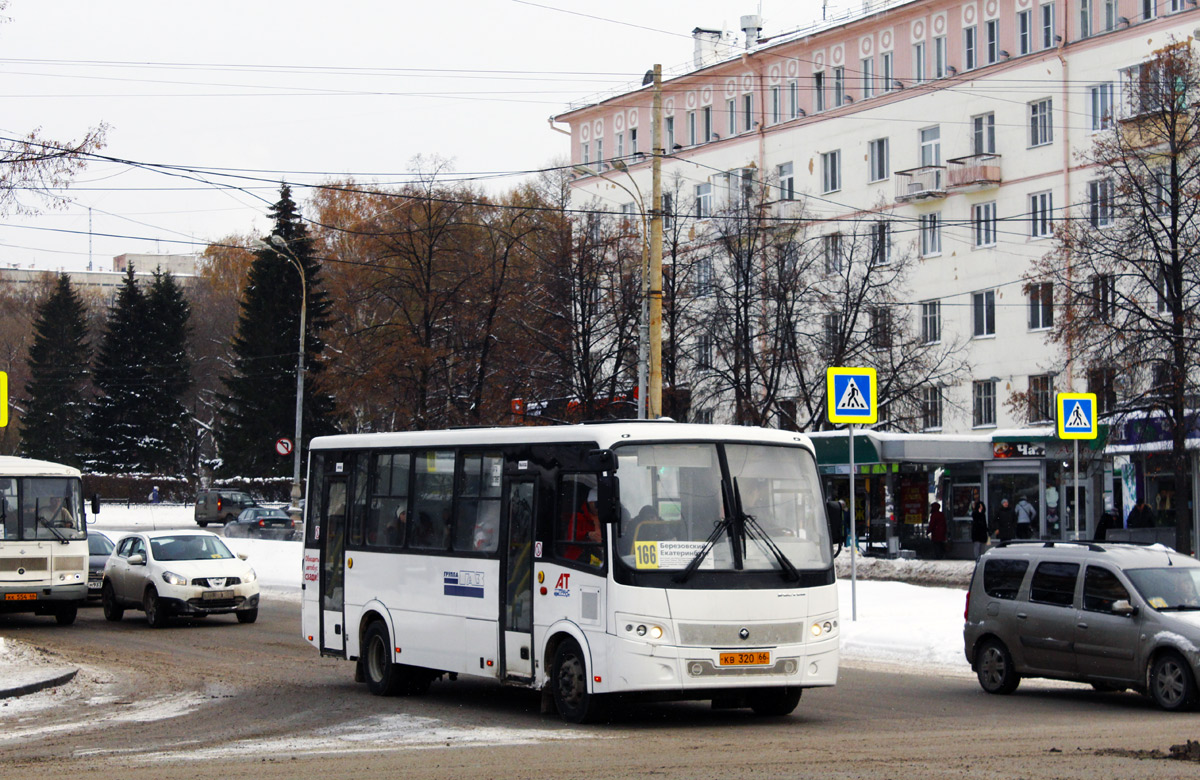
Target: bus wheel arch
[{"x": 570, "y": 681}]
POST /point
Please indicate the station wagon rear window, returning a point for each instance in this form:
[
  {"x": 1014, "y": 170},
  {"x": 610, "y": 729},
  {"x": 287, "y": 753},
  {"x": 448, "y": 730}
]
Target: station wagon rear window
[{"x": 1002, "y": 578}]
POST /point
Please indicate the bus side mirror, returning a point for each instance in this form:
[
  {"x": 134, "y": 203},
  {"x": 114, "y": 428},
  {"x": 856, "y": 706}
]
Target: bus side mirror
[
  {"x": 608, "y": 500},
  {"x": 600, "y": 460},
  {"x": 95, "y": 503},
  {"x": 837, "y": 526}
]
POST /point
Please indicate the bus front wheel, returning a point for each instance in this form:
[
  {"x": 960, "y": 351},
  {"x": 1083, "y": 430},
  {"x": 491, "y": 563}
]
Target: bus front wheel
[
  {"x": 65, "y": 615},
  {"x": 568, "y": 685},
  {"x": 775, "y": 702}
]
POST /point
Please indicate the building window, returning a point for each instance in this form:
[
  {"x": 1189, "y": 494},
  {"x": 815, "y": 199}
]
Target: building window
[
  {"x": 991, "y": 34},
  {"x": 940, "y": 60},
  {"x": 1041, "y": 215},
  {"x": 1100, "y": 203},
  {"x": 931, "y": 408},
  {"x": 1085, "y": 18},
  {"x": 787, "y": 182},
  {"x": 931, "y": 233},
  {"x": 1041, "y": 305},
  {"x": 704, "y": 200},
  {"x": 931, "y": 322},
  {"x": 620, "y": 145},
  {"x": 793, "y": 99},
  {"x": 880, "y": 336},
  {"x": 1100, "y": 106},
  {"x": 748, "y": 111},
  {"x": 877, "y": 159},
  {"x": 831, "y": 251},
  {"x": 983, "y": 308},
  {"x": 704, "y": 277},
  {"x": 985, "y": 224},
  {"x": 983, "y": 407},
  {"x": 1102, "y": 381},
  {"x": 970, "y": 52},
  {"x": 983, "y": 134},
  {"x": 1104, "y": 296},
  {"x": 919, "y": 62},
  {"x": 776, "y": 105},
  {"x": 931, "y": 146},
  {"x": 831, "y": 171},
  {"x": 1162, "y": 288},
  {"x": 1041, "y": 398},
  {"x": 668, "y": 210},
  {"x": 868, "y": 77},
  {"x": 633, "y": 140},
  {"x": 693, "y": 133},
  {"x": 1041, "y": 128},
  {"x": 670, "y": 123},
  {"x": 1047, "y": 25},
  {"x": 819, "y": 90},
  {"x": 881, "y": 242},
  {"x": 704, "y": 351},
  {"x": 1024, "y": 32},
  {"x": 706, "y": 123},
  {"x": 584, "y": 153},
  {"x": 1148, "y": 9},
  {"x": 886, "y": 74},
  {"x": 600, "y": 154},
  {"x": 1162, "y": 191},
  {"x": 839, "y": 86},
  {"x": 731, "y": 116},
  {"x": 831, "y": 330}
]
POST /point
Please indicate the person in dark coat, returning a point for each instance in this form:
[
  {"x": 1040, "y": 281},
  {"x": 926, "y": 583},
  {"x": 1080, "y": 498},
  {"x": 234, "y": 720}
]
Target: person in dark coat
[
  {"x": 979, "y": 527},
  {"x": 1141, "y": 516},
  {"x": 1106, "y": 522},
  {"x": 1005, "y": 522},
  {"x": 937, "y": 529}
]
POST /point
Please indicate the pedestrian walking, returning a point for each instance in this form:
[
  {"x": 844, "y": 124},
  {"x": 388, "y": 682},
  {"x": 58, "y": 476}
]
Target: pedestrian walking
[
  {"x": 1026, "y": 514},
  {"x": 1004, "y": 525},
  {"x": 979, "y": 527}
]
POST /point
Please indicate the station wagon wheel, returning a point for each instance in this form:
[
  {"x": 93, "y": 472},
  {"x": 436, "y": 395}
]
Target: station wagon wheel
[
  {"x": 994, "y": 667},
  {"x": 1171, "y": 683},
  {"x": 568, "y": 685},
  {"x": 108, "y": 599}
]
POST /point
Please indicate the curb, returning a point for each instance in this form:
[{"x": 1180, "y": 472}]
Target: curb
[{"x": 38, "y": 685}]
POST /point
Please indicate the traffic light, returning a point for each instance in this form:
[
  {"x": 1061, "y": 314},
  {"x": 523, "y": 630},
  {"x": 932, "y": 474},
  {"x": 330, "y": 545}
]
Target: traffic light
[{"x": 3, "y": 399}]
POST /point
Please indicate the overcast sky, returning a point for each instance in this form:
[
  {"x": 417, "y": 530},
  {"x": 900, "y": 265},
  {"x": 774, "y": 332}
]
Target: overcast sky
[{"x": 306, "y": 90}]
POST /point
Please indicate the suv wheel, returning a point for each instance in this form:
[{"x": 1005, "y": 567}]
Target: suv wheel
[
  {"x": 1171, "y": 683},
  {"x": 156, "y": 615},
  {"x": 994, "y": 667}
]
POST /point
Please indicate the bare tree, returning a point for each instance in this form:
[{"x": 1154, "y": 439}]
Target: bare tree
[{"x": 1126, "y": 270}]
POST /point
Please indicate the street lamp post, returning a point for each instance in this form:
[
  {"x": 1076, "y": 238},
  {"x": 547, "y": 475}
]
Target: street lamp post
[{"x": 276, "y": 242}]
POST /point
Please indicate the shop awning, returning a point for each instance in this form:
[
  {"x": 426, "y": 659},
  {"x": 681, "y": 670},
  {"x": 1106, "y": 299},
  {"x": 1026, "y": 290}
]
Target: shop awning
[{"x": 833, "y": 447}]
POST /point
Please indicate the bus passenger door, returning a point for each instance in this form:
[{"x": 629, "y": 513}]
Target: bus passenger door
[
  {"x": 333, "y": 566},
  {"x": 517, "y": 609}
]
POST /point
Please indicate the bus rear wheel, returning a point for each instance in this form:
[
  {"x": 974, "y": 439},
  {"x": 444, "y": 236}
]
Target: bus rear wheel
[
  {"x": 382, "y": 675},
  {"x": 568, "y": 685}
]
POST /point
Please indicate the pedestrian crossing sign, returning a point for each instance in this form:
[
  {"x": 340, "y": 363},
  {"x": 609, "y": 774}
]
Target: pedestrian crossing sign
[
  {"x": 1076, "y": 415},
  {"x": 851, "y": 393}
]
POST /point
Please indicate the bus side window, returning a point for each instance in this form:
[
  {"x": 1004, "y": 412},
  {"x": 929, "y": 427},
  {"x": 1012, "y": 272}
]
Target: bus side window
[{"x": 578, "y": 534}]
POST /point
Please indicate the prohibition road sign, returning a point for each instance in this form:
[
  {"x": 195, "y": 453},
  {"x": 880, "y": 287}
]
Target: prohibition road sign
[
  {"x": 851, "y": 393},
  {"x": 284, "y": 446}
]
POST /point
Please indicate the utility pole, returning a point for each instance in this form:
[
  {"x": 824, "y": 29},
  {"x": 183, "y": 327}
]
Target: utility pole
[{"x": 654, "y": 405}]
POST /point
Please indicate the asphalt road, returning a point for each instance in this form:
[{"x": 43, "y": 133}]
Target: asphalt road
[{"x": 215, "y": 699}]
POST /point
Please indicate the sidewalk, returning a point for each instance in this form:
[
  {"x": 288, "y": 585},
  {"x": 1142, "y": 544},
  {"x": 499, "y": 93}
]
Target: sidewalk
[{"x": 25, "y": 670}]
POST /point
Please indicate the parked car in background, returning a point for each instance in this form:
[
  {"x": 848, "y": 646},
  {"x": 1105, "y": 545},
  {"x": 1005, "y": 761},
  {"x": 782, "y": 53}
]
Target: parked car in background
[
  {"x": 189, "y": 573},
  {"x": 1114, "y": 615},
  {"x": 99, "y": 548},
  {"x": 263, "y": 522},
  {"x": 221, "y": 506}
]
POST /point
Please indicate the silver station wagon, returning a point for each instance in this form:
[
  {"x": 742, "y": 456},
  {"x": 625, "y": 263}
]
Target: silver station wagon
[{"x": 1117, "y": 616}]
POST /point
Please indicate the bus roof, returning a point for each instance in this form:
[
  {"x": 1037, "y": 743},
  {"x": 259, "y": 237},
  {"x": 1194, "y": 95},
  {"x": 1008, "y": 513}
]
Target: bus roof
[
  {"x": 603, "y": 434},
  {"x": 28, "y": 467}
]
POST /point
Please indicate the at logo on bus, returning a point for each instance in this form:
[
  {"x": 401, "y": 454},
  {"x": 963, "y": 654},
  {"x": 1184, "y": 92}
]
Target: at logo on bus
[{"x": 563, "y": 586}]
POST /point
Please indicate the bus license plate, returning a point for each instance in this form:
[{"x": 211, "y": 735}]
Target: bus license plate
[
  {"x": 757, "y": 658},
  {"x": 20, "y": 597},
  {"x": 217, "y": 595}
]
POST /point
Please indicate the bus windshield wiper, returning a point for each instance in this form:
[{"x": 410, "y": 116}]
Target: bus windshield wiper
[
  {"x": 721, "y": 526},
  {"x": 61, "y": 536},
  {"x": 755, "y": 531}
]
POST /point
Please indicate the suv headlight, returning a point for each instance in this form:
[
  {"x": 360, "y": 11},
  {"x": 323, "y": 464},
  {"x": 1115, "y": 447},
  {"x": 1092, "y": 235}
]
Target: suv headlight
[
  {"x": 251, "y": 576},
  {"x": 171, "y": 578}
]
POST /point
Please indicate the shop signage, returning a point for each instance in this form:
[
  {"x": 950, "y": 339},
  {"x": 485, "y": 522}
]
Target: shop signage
[{"x": 1017, "y": 449}]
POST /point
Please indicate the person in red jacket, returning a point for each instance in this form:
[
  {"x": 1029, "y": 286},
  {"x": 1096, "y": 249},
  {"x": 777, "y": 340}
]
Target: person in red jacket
[{"x": 937, "y": 529}]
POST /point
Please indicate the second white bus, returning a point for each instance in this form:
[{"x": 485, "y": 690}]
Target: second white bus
[{"x": 651, "y": 559}]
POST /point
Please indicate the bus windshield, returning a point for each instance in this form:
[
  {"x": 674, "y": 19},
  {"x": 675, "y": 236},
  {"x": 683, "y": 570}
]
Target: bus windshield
[
  {"x": 712, "y": 506},
  {"x": 48, "y": 508}
]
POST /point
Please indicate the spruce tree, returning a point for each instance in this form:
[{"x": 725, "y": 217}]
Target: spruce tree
[
  {"x": 168, "y": 314},
  {"x": 119, "y": 424},
  {"x": 52, "y": 427},
  {"x": 259, "y": 407}
]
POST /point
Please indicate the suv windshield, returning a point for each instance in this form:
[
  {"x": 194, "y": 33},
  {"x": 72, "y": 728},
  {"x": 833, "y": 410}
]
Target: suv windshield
[
  {"x": 1168, "y": 587},
  {"x": 189, "y": 547},
  {"x": 722, "y": 507}
]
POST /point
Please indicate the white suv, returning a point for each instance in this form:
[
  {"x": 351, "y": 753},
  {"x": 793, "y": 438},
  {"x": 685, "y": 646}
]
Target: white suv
[
  {"x": 169, "y": 573},
  {"x": 1114, "y": 615}
]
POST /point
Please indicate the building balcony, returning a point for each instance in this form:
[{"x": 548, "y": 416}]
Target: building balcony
[
  {"x": 928, "y": 181},
  {"x": 975, "y": 172}
]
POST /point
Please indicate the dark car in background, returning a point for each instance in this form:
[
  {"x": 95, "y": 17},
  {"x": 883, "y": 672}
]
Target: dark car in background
[
  {"x": 221, "y": 506},
  {"x": 99, "y": 548},
  {"x": 264, "y": 523}
]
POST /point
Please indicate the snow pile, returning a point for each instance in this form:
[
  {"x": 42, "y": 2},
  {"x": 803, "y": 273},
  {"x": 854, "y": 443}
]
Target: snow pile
[{"x": 946, "y": 574}]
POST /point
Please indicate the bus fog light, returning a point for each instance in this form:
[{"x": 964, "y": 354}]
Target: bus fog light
[
  {"x": 790, "y": 667},
  {"x": 695, "y": 669},
  {"x": 813, "y": 669}
]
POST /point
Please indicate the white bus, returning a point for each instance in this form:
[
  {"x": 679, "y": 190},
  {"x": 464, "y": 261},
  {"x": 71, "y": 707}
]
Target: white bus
[
  {"x": 656, "y": 559},
  {"x": 43, "y": 539}
]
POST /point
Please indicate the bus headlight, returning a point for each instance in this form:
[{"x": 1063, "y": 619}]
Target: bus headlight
[
  {"x": 171, "y": 578},
  {"x": 823, "y": 628},
  {"x": 642, "y": 628}
]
